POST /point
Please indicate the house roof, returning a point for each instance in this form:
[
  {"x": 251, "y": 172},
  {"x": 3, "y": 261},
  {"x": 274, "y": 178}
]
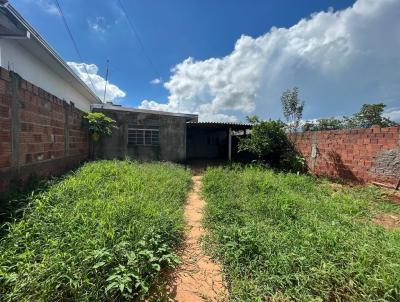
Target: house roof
[
  {"x": 108, "y": 106},
  {"x": 13, "y": 25}
]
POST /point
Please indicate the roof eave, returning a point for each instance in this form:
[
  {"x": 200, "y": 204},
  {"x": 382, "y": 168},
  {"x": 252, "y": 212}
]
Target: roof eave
[
  {"x": 49, "y": 49},
  {"x": 138, "y": 110}
]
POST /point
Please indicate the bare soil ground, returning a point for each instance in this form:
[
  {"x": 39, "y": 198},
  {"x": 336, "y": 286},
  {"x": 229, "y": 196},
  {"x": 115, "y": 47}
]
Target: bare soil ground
[
  {"x": 197, "y": 278},
  {"x": 394, "y": 196},
  {"x": 388, "y": 220}
]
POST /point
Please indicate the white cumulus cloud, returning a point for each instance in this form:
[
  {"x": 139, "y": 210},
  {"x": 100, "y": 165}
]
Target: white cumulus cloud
[
  {"x": 393, "y": 114},
  {"x": 113, "y": 91},
  {"x": 339, "y": 60}
]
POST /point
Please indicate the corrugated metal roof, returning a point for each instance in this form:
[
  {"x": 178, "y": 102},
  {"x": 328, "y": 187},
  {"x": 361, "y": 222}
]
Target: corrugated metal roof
[
  {"x": 222, "y": 123},
  {"x": 138, "y": 110},
  {"x": 219, "y": 125}
]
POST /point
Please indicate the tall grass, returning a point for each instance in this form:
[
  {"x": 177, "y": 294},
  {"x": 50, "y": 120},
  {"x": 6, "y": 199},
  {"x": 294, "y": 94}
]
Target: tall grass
[
  {"x": 283, "y": 237},
  {"x": 103, "y": 233}
]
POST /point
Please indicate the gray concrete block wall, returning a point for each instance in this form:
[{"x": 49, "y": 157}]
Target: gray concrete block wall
[{"x": 172, "y": 137}]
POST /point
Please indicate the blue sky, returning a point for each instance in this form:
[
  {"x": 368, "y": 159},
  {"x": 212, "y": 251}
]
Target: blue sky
[{"x": 207, "y": 31}]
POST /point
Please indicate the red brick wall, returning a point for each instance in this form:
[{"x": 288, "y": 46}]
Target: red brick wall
[
  {"x": 5, "y": 121},
  {"x": 39, "y": 133},
  {"x": 363, "y": 155}
]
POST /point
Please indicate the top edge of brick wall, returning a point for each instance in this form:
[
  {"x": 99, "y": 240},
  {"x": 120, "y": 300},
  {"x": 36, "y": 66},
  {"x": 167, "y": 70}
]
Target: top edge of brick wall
[
  {"x": 373, "y": 129},
  {"x": 26, "y": 85},
  {"x": 5, "y": 74}
]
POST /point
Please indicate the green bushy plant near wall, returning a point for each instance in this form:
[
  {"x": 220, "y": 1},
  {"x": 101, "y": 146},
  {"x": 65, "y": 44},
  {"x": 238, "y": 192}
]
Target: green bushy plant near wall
[
  {"x": 99, "y": 124},
  {"x": 270, "y": 144}
]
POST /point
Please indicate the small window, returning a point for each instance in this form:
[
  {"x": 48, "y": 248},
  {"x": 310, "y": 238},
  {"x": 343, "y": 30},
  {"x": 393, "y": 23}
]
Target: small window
[{"x": 146, "y": 136}]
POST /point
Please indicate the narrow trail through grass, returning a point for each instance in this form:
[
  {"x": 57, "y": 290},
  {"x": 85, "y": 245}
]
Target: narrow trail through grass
[{"x": 197, "y": 278}]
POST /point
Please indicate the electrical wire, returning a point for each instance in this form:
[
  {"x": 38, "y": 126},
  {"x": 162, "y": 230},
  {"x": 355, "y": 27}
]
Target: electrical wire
[
  {"x": 135, "y": 33},
  {"x": 74, "y": 42}
]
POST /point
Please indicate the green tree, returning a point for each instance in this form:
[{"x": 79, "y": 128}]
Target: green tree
[
  {"x": 267, "y": 140},
  {"x": 270, "y": 144},
  {"x": 99, "y": 124},
  {"x": 253, "y": 119},
  {"x": 292, "y": 108},
  {"x": 324, "y": 124},
  {"x": 369, "y": 115}
]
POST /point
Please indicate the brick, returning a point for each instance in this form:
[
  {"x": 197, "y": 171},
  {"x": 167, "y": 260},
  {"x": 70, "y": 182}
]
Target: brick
[
  {"x": 5, "y": 148},
  {"x": 5, "y": 124},
  {"x": 4, "y": 87},
  {"x": 5, "y": 161},
  {"x": 5, "y": 136},
  {"x": 27, "y": 127},
  {"x": 4, "y": 111},
  {"x": 5, "y": 100},
  {"x": 5, "y": 74},
  {"x": 353, "y": 153}
]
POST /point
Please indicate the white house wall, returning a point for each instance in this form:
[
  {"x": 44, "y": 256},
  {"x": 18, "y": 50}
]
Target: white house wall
[{"x": 15, "y": 57}]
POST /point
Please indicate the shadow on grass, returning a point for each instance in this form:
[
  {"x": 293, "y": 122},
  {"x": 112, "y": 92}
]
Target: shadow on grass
[{"x": 18, "y": 199}]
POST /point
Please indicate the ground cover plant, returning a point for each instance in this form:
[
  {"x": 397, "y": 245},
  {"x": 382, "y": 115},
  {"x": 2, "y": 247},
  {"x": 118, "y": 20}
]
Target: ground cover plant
[
  {"x": 284, "y": 237},
  {"x": 102, "y": 233},
  {"x": 14, "y": 202}
]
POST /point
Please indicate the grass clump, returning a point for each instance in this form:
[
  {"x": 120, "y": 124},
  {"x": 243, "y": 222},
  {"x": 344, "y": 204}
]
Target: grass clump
[
  {"x": 284, "y": 237},
  {"x": 102, "y": 233}
]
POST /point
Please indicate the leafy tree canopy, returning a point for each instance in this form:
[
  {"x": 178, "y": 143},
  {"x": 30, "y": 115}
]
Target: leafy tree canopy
[
  {"x": 324, "y": 124},
  {"x": 270, "y": 144},
  {"x": 99, "y": 123},
  {"x": 369, "y": 115}
]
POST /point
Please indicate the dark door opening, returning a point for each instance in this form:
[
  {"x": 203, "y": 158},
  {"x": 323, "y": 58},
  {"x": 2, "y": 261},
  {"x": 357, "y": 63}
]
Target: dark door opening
[{"x": 207, "y": 144}]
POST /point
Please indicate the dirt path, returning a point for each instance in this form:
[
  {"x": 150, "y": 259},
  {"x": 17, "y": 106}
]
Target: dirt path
[{"x": 198, "y": 278}]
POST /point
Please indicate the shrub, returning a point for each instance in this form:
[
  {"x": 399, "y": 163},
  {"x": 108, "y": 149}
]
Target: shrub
[
  {"x": 102, "y": 233},
  {"x": 270, "y": 144},
  {"x": 283, "y": 237},
  {"x": 99, "y": 124}
]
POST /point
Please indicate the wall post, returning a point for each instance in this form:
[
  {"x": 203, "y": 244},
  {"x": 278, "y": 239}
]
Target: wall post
[
  {"x": 66, "y": 128},
  {"x": 229, "y": 144},
  {"x": 15, "y": 123},
  {"x": 314, "y": 150}
]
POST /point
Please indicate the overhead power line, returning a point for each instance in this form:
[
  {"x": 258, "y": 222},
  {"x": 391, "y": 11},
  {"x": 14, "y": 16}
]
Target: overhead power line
[
  {"x": 74, "y": 42},
  {"x": 135, "y": 33},
  {"x": 105, "y": 84}
]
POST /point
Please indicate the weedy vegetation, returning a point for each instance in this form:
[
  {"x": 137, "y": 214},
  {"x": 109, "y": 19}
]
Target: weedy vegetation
[
  {"x": 284, "y": 237},
  {"x": 103, "y": 233}
]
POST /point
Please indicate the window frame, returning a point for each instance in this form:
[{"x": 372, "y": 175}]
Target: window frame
[{"x": 139, "y": 135}]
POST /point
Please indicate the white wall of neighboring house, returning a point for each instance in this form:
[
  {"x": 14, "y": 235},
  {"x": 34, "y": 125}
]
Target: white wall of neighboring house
[{"x": 17, "y": 58}]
